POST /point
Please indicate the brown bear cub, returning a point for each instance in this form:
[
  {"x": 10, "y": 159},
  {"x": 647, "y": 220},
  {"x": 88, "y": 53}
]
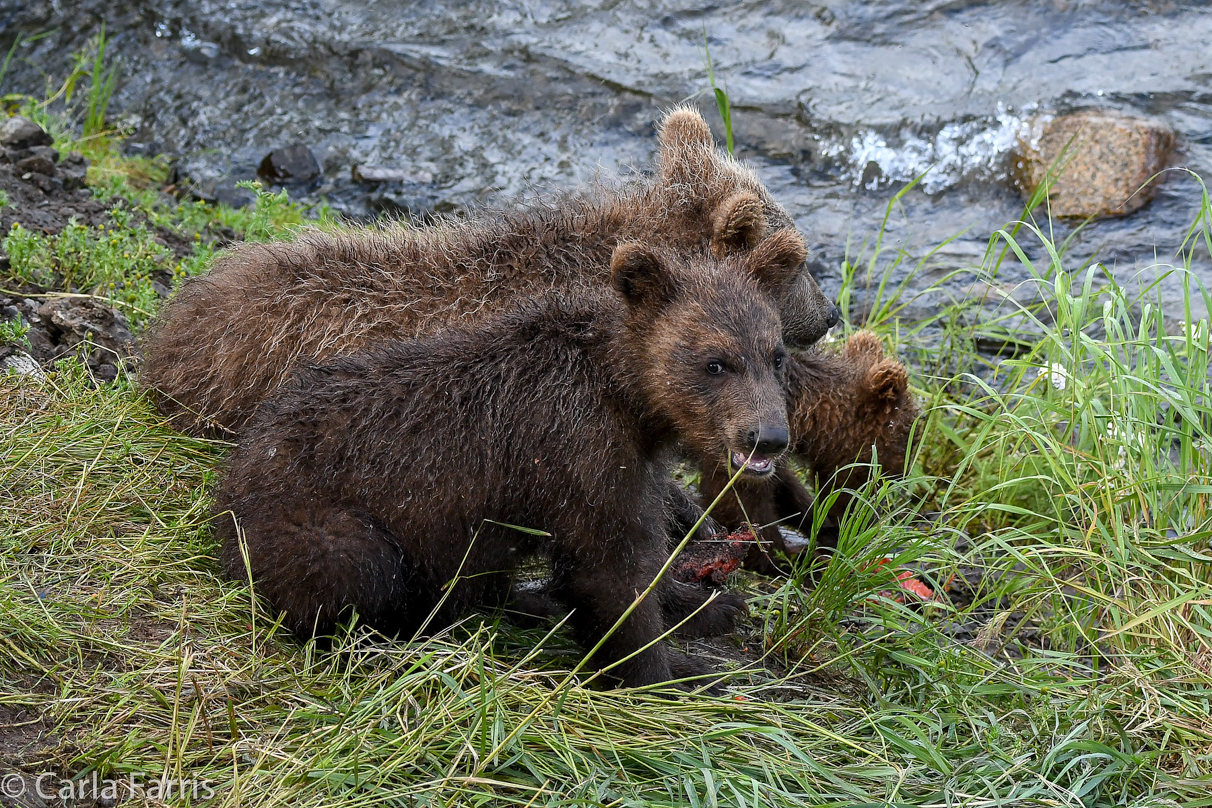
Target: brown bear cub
[
  {"x": 845, "y": 410},
  {"x": 373, "y": 481},
  {"x": 232, "y": 336}
]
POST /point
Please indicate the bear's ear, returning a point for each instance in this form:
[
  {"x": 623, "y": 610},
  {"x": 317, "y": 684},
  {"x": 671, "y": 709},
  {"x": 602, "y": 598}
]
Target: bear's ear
[
  {"x": 778, "y": 258},
  {"x": 737, "y": 224},
  {"x": 686, "y": 146},
  {"x": 684, "y": 126},
  {"x": 864, "y": 345},
  {"x": 640, "y": 276},
  {"x": 887, "y": 382}
]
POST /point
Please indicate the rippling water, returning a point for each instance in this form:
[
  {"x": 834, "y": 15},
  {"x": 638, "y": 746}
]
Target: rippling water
[{"x": 837, "y": 104}]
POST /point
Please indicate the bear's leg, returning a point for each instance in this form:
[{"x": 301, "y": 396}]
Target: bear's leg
[
  {"x": 318, "y": 564},
  {"x": 599, "y": 591},
  {"x": 530, "y": 602},
  {"x": 680, "y": 600},
  {"x": 681, "y": 515}
]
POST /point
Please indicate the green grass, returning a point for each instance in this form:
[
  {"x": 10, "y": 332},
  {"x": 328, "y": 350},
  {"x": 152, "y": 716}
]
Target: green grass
[
  {"x": 1070, "y": 483},
  {"x": 119, "y": 263},
  {"x": 722, "y": 102}
]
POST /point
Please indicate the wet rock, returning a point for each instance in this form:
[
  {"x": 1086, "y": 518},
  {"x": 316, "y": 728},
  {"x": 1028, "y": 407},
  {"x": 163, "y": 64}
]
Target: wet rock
[
  {"x": 1108, "y": 159},
  {"x": 294, "y": 163},
  {"x": 44, "y": 182},
  {"x": 73, "y": 320},
  {"x": 22, "y": 133},
  {"x": 64, "y": 326}
]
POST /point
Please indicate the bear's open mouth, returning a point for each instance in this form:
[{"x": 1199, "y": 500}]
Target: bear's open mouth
[{"x": 757, "y": 465}]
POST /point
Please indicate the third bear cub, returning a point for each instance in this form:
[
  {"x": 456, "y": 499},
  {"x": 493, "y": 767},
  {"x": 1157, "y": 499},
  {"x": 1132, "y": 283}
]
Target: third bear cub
[
  {"x": 846, "y": 411},
  {"x": 374, "y": 481}
]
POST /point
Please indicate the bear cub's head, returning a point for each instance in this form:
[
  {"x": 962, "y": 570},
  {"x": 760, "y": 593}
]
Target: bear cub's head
[
  {"x": 707, "y": 342},
  {"x": 883, "y": 406},
  {"x": 743, "y": 212}
]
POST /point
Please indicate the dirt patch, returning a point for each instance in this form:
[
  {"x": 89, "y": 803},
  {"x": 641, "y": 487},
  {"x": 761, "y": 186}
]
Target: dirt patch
[
  {"x": 43, "y": 207},
  {"x": 24, "y": 736}
]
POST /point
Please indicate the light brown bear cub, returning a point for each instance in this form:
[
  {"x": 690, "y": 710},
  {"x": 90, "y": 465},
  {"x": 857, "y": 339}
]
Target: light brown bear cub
[
  {"x": 229, "y": 338},
  {"x": 845, "y": 410},
  {"x": 372, "y": 481}
]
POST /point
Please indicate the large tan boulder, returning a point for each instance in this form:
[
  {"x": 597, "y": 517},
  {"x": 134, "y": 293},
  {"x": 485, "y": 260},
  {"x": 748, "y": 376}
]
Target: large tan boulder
[{"x": 1108, "y": 159}]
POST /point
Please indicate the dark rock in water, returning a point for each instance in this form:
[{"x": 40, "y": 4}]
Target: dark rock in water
[
  {"x": 294, "y": 163},
  {"x": 383, "y": 174},
  {"x": 22, "y": 133},
  {"x": 1107, "y": 160}
]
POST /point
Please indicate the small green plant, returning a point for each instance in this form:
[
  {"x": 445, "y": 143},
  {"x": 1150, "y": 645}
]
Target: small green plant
[
  {"x": 13, "y": 332},
  {"x": 116, "y": 263},
  {"x": 28, "y": 256},
  {"x": 722, "y": 102},
  {"x": 271, "y": 215},
  {"x": 3, "y": 198}
]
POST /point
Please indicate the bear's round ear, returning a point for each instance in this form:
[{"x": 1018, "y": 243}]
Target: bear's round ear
[
  {"x": 684, "y": 126},
  {"x": 686, "y": 143},
  {"x": 863, "y": 345},
  {"x": 887, "y": 382},
  {"x": 640, "y": 276},
  {"x": 778, "y": 258},
  {"x": 738, "y": 224}
]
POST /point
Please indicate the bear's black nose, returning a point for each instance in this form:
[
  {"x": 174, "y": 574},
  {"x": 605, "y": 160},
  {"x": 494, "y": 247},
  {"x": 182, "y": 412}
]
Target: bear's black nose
[
  {"x": 768, "y": 440},
  {"x": 835, "y": 316}
]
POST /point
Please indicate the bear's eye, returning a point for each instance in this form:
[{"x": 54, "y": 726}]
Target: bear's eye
[
  {"x": 780, "y": 359},
  {"x": 715, "y": 367}
]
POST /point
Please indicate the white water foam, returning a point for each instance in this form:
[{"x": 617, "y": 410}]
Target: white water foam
[{"x": 974, "y": 149}]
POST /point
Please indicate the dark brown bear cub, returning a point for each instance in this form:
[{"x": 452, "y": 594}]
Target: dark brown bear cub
[
  {"x": 845, "y": 410},
  {"x": 373, "y": 481}
]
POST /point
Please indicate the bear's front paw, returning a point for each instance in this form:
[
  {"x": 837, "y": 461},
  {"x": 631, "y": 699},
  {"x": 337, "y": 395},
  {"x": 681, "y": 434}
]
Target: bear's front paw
[
  {"x": 699, "y": 673},
  {"x": 718, "y": 616}
]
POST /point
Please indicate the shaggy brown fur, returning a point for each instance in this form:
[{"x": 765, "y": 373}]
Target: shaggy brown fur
[
  {"x": 840, "y": 407},
  {"x": 232, "y": 336},
  {"x": 372, "y": 481}
]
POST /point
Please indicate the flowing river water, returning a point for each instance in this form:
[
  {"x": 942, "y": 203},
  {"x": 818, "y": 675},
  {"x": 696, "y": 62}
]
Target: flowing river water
[{"x": 837, "y": 105}]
